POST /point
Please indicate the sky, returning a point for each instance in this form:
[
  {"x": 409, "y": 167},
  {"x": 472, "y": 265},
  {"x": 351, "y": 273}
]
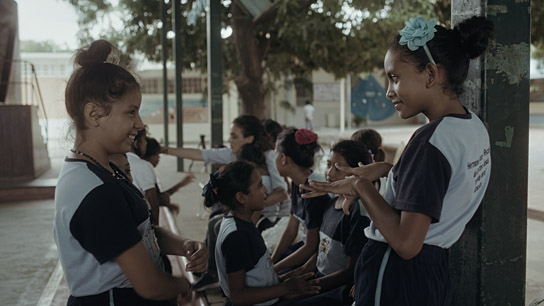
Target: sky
[{"x": 54, "y": 20}]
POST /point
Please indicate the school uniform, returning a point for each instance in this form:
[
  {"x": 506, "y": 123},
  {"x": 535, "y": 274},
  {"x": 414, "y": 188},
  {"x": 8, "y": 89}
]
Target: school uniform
[
  {"x": 442, "y": 173},
  {"x": 240, "y": 246},
  {"x": 99, "y": 216}
]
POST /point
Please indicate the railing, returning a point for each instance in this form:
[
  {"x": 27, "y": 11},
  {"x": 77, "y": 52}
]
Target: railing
[{"x": 31, "y": 92}]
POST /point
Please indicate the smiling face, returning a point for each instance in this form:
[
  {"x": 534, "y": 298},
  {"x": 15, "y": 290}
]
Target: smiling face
[
  {"x": 333, "y": 174},
  {"x": 407, "y": 86},
  {"x": 118, "y": 129},
  {"x": 237, "y": 139}
]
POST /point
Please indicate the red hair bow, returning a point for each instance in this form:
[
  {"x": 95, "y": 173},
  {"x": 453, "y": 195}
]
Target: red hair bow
[{"x": 304, "y": 136}]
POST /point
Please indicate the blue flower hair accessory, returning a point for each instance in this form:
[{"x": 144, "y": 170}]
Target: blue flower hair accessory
[{"x": 417, "y": 33}]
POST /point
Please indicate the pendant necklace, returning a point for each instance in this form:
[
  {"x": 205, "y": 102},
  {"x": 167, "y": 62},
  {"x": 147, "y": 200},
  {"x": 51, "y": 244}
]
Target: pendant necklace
[{"x": 99, "y": 165}]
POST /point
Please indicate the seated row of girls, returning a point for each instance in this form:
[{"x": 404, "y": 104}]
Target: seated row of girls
[
  {"x": 109, "y": 247},
  {"x": 244, "y": 265}
]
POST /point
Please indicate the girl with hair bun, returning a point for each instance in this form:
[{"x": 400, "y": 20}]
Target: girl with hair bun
[
  {"x": 244, "y": 265},
  {"x": 108, "y": 246},
  {"x": 295, "y": 150},
  {"x": 439, "y": 180}
]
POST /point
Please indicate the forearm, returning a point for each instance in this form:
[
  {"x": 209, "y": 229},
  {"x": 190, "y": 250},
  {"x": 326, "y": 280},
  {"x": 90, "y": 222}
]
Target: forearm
[
  {"x": 169, "y": 242},
  {"x": 299, "y": 257},
  {"x": 336, "y": 279},
  {"x": 188, "y": 153},
  {"x": 147, "y": 280},
  {"x": 173, "y": 189},
  {"x": 278, "y": 195},
  {"x": 287, "y": 238},
  {"x": 405, "y": 232}
]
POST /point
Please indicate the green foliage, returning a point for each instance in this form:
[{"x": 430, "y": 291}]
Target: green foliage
[
  {"x": 537, "y": 28},
  {"x": 295, "y": 38}
]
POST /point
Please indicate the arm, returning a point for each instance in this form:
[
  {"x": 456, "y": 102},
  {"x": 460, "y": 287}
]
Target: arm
[
  {"x": 184, "y": 182},
  {"x": 240, "y": 294},
  {"x": 192, "y": 154},
  {"x": 405, "y": 232},
  {"x": 148, "y": 281},
  {"x": 152, "y": 197},
  {"x": 287, "y": 238},
  {"x": 340, "y": 277},
  {"x": 278, "y": 195},
  {"x": 303, "y": 253},
  {"x": 195, "y": 252}
]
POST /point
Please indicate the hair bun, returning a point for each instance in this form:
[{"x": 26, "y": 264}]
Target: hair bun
[
  {"x": 473, "y": 35},
  {"x": 98, "y": 52}
]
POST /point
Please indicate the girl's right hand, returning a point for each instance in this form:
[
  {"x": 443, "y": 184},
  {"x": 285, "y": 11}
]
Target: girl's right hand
[
  {"x": 370, "y": 172},
  {"x": 303, "y": 285}
]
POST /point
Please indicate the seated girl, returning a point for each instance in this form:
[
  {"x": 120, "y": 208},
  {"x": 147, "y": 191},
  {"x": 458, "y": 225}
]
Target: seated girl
[
  {"x": 341, "y": 235},
  {"x": 295, "y": 150},
  {"x": 244, "y": 265}
]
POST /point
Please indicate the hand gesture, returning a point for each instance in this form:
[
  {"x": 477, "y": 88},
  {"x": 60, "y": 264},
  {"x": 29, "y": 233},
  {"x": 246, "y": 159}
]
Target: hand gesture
[
  {"x": 187, "y": 179},
  {"x": 197, "y": 255},
  {"x": 302, "y": 284},
  {"x": 344, "y": 187},
  {"x": 370, "y": 172}
]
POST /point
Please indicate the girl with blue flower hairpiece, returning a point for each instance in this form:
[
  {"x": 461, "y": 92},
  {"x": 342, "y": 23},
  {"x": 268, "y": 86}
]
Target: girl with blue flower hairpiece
[{"x": 439, "y": 180}]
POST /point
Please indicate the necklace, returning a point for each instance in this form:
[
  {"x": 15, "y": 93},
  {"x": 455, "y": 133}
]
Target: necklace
[{"x": 99, "y": 165}]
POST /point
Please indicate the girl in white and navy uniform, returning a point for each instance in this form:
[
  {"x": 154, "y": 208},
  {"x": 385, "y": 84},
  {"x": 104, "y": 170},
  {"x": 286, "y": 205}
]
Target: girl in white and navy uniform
[
  {"x": 295, "y": 150},
  {"x": 340, "y": 235},
  {"x": 244, "y": 266},
  {"x": 108, "y": 247},
  {"x": 440, "y": 178}
]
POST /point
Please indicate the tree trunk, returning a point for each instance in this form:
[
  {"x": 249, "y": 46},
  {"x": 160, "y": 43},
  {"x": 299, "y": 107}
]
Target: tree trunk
[{"x": 250, "y": 80}]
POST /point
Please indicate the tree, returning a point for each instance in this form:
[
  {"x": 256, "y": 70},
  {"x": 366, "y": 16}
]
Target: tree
[
  {"x": 291, "y": 38},
  {"x": 42, "y": 46}
]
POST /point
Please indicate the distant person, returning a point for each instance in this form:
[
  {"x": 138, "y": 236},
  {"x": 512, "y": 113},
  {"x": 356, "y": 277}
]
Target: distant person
[
  {"x": 108, "y": 246},
  {"x": 309, "y": 110},
  {"x": 152, "y": 156},
  {"x": 439, "y": 180}
]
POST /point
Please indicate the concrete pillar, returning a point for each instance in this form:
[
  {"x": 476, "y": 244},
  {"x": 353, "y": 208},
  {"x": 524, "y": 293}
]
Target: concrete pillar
[{"x": 488, "y": 263}]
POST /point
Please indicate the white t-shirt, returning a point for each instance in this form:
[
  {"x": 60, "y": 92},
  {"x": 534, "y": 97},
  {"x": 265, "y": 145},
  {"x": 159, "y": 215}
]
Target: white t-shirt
[
  {"x": 443, "y": 173},
  {"x": 309, "y": 112},
  {"x": 142, "y": 172}
]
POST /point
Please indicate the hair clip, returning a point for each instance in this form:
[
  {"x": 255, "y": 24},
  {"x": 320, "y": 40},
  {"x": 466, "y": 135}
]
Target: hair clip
[{"x": 416, "y": 33}]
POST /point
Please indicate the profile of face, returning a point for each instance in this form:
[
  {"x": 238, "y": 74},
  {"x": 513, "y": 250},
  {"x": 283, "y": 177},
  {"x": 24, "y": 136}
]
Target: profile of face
[
  {"x": 121, "y": 161},
  {"x": 237, "y": 139},
  {"x": 279, "y": 158},
  {"x": 254, "y": 199},
  {"x": 118, "y": 129},
  {"x": 333, "y": 174},
  {"x": 407, "y": 86}
]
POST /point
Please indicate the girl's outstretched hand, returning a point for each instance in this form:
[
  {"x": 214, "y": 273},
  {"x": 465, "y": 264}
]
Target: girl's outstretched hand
[
  {"x": 302, "y": 285},
  {"x": 370, "y": 172},
  {"x": 345, "y": 187}
]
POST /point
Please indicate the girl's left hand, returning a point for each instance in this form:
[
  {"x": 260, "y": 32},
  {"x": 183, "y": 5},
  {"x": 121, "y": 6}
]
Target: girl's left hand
[
  {"x": 344, "y": 187},
  {"x": 197, "y": 254}
]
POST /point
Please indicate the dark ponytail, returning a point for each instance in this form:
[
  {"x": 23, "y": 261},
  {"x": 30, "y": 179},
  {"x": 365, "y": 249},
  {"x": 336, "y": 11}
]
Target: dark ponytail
[
  {"x": 372, "y": 140},
  {"x": 252, "y": 126},
  {"x": 300, "y": 149},
  {"x": 97, "y": 78},
  {"x": 223, "y": 185},
  {"x": 451, "y": 49}
]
